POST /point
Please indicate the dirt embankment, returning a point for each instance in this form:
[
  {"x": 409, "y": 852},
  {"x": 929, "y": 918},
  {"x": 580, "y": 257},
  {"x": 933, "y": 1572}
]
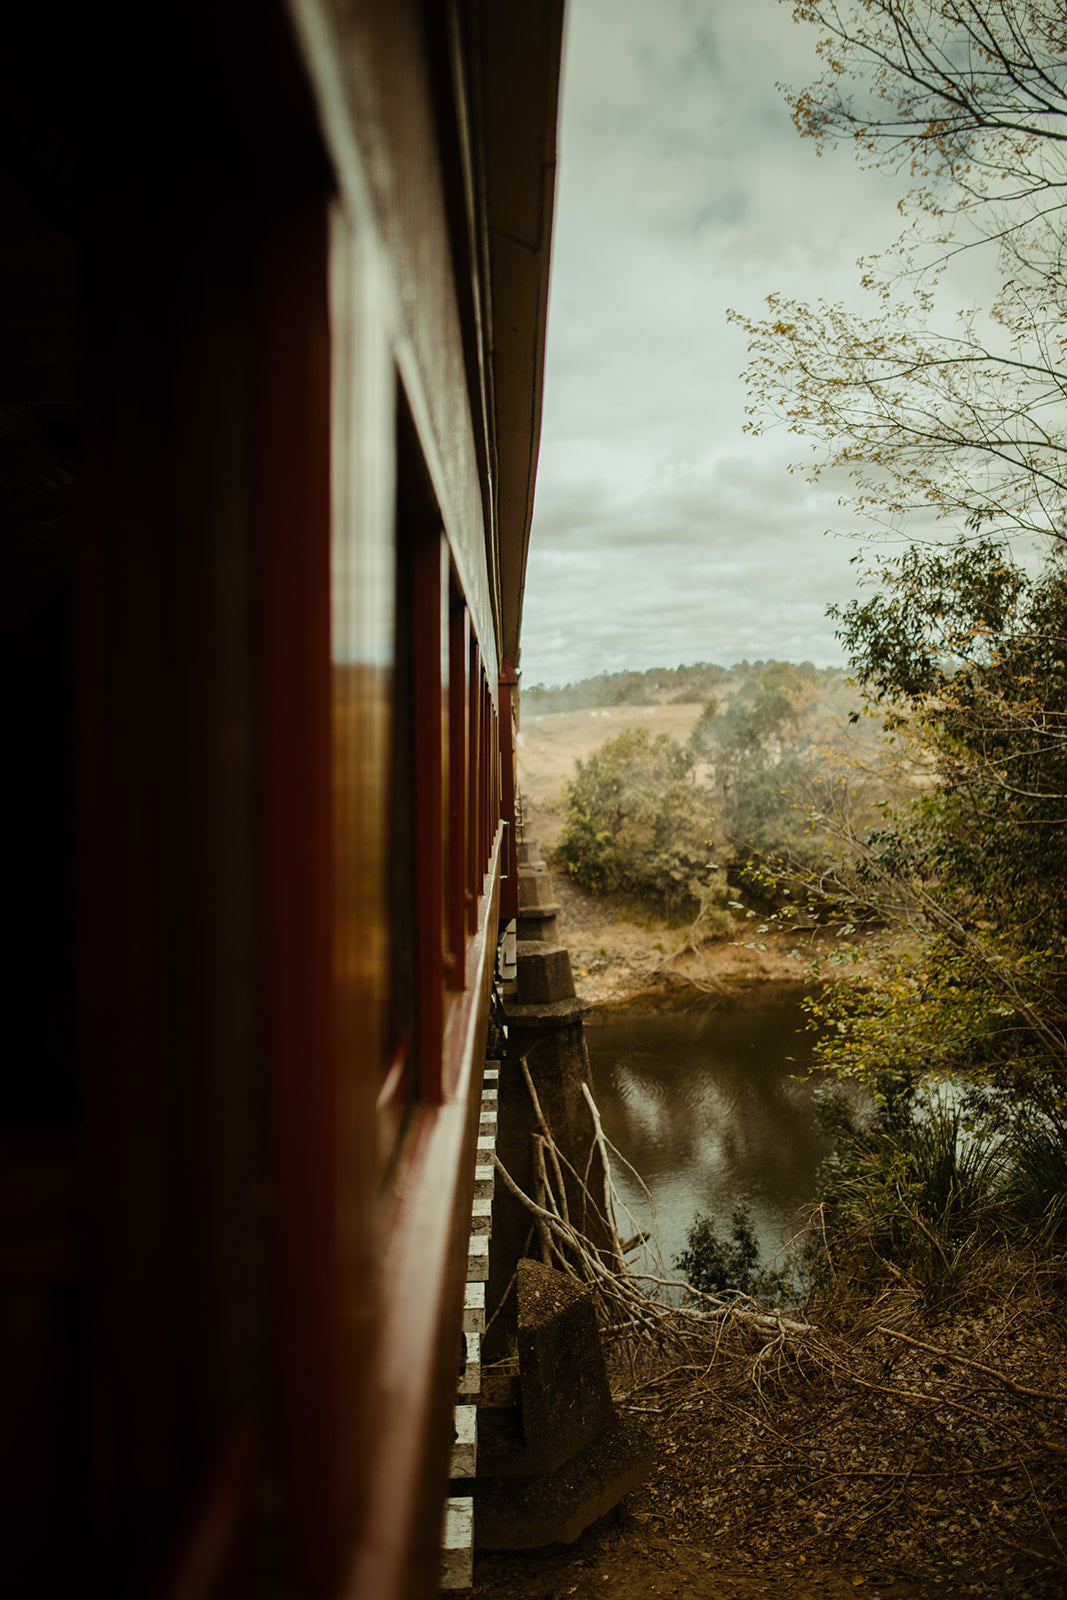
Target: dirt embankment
[
  {"x": 638, "y": 962},
  {"x": 620, "y": 963}
]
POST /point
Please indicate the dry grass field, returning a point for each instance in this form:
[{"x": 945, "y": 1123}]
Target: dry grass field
[{"x": 549, "y": 746}]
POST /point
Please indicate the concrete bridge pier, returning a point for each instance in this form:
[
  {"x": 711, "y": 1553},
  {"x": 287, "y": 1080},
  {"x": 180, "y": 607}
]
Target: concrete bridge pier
[
  {"x": 552, "y": 1454},
  {"x": 545, "y": 1028}
]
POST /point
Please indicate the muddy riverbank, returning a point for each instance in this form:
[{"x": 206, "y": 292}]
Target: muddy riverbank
[{"x": 637, "y": 962}]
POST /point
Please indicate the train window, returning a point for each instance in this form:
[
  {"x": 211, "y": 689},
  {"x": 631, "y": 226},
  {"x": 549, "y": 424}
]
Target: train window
[
  {"x": 473, "y": 884},
  {"x": 457, "y": 882},
  {"x": 398, "y": 1085},
  {"x": 421, "y": 798}
]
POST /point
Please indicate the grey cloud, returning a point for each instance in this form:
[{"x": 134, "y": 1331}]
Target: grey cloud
[
  {"x": 680, "y": 582},
  {"x": 662, "y": 533}
]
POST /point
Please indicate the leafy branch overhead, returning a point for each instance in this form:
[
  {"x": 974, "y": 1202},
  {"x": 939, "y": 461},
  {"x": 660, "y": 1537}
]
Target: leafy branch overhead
[
  {"x": 961, "y": 93},
  {"x": 958, "y": 416}
]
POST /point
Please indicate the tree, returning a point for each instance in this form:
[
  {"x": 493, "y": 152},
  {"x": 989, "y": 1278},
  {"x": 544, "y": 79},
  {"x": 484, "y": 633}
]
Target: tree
[
  {"x": 972, "y": 656},
  {"x": 637, "y": 823},
  {"x": 702, "y": 738},
  {"x": 963, "y": 420},
  {"x": 943, "y": 422},
  {"x": 961, "y": 417},
  {"x": 965, "y": 93},
  {"x": 766, "y": 771}
]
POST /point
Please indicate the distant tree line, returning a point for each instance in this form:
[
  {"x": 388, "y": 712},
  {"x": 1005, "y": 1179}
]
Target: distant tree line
[{"x": 659, "y": 686}]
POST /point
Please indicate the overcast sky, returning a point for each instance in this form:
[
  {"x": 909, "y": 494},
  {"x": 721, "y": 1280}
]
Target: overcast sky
[{"x": 662, "y": 533}]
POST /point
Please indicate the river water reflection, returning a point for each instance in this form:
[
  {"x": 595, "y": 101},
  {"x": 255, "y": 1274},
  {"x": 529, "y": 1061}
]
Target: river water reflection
[{"x": 708, "y": 1107}]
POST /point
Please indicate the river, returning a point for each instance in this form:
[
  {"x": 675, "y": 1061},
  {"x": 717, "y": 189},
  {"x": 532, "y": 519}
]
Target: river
[{"x": 712, "y": 1106}]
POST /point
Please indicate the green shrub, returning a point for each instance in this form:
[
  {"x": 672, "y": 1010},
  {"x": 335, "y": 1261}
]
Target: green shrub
[
  {"x": 909, "y": 1193},
  {"x": 712, "y": 1264},
  {"x": 1035, "y": 1187},
  {"x": 637, "y": 824}
]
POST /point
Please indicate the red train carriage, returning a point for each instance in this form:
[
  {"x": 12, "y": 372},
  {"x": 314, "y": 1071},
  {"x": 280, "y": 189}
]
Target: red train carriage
[{"x": 274, "y": 281}]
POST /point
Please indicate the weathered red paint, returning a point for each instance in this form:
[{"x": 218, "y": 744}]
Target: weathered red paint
[
  {"x": 459, "y": 780},
  {"x": 426, "y": 647},
  {"x": 299, "y": 913}
]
